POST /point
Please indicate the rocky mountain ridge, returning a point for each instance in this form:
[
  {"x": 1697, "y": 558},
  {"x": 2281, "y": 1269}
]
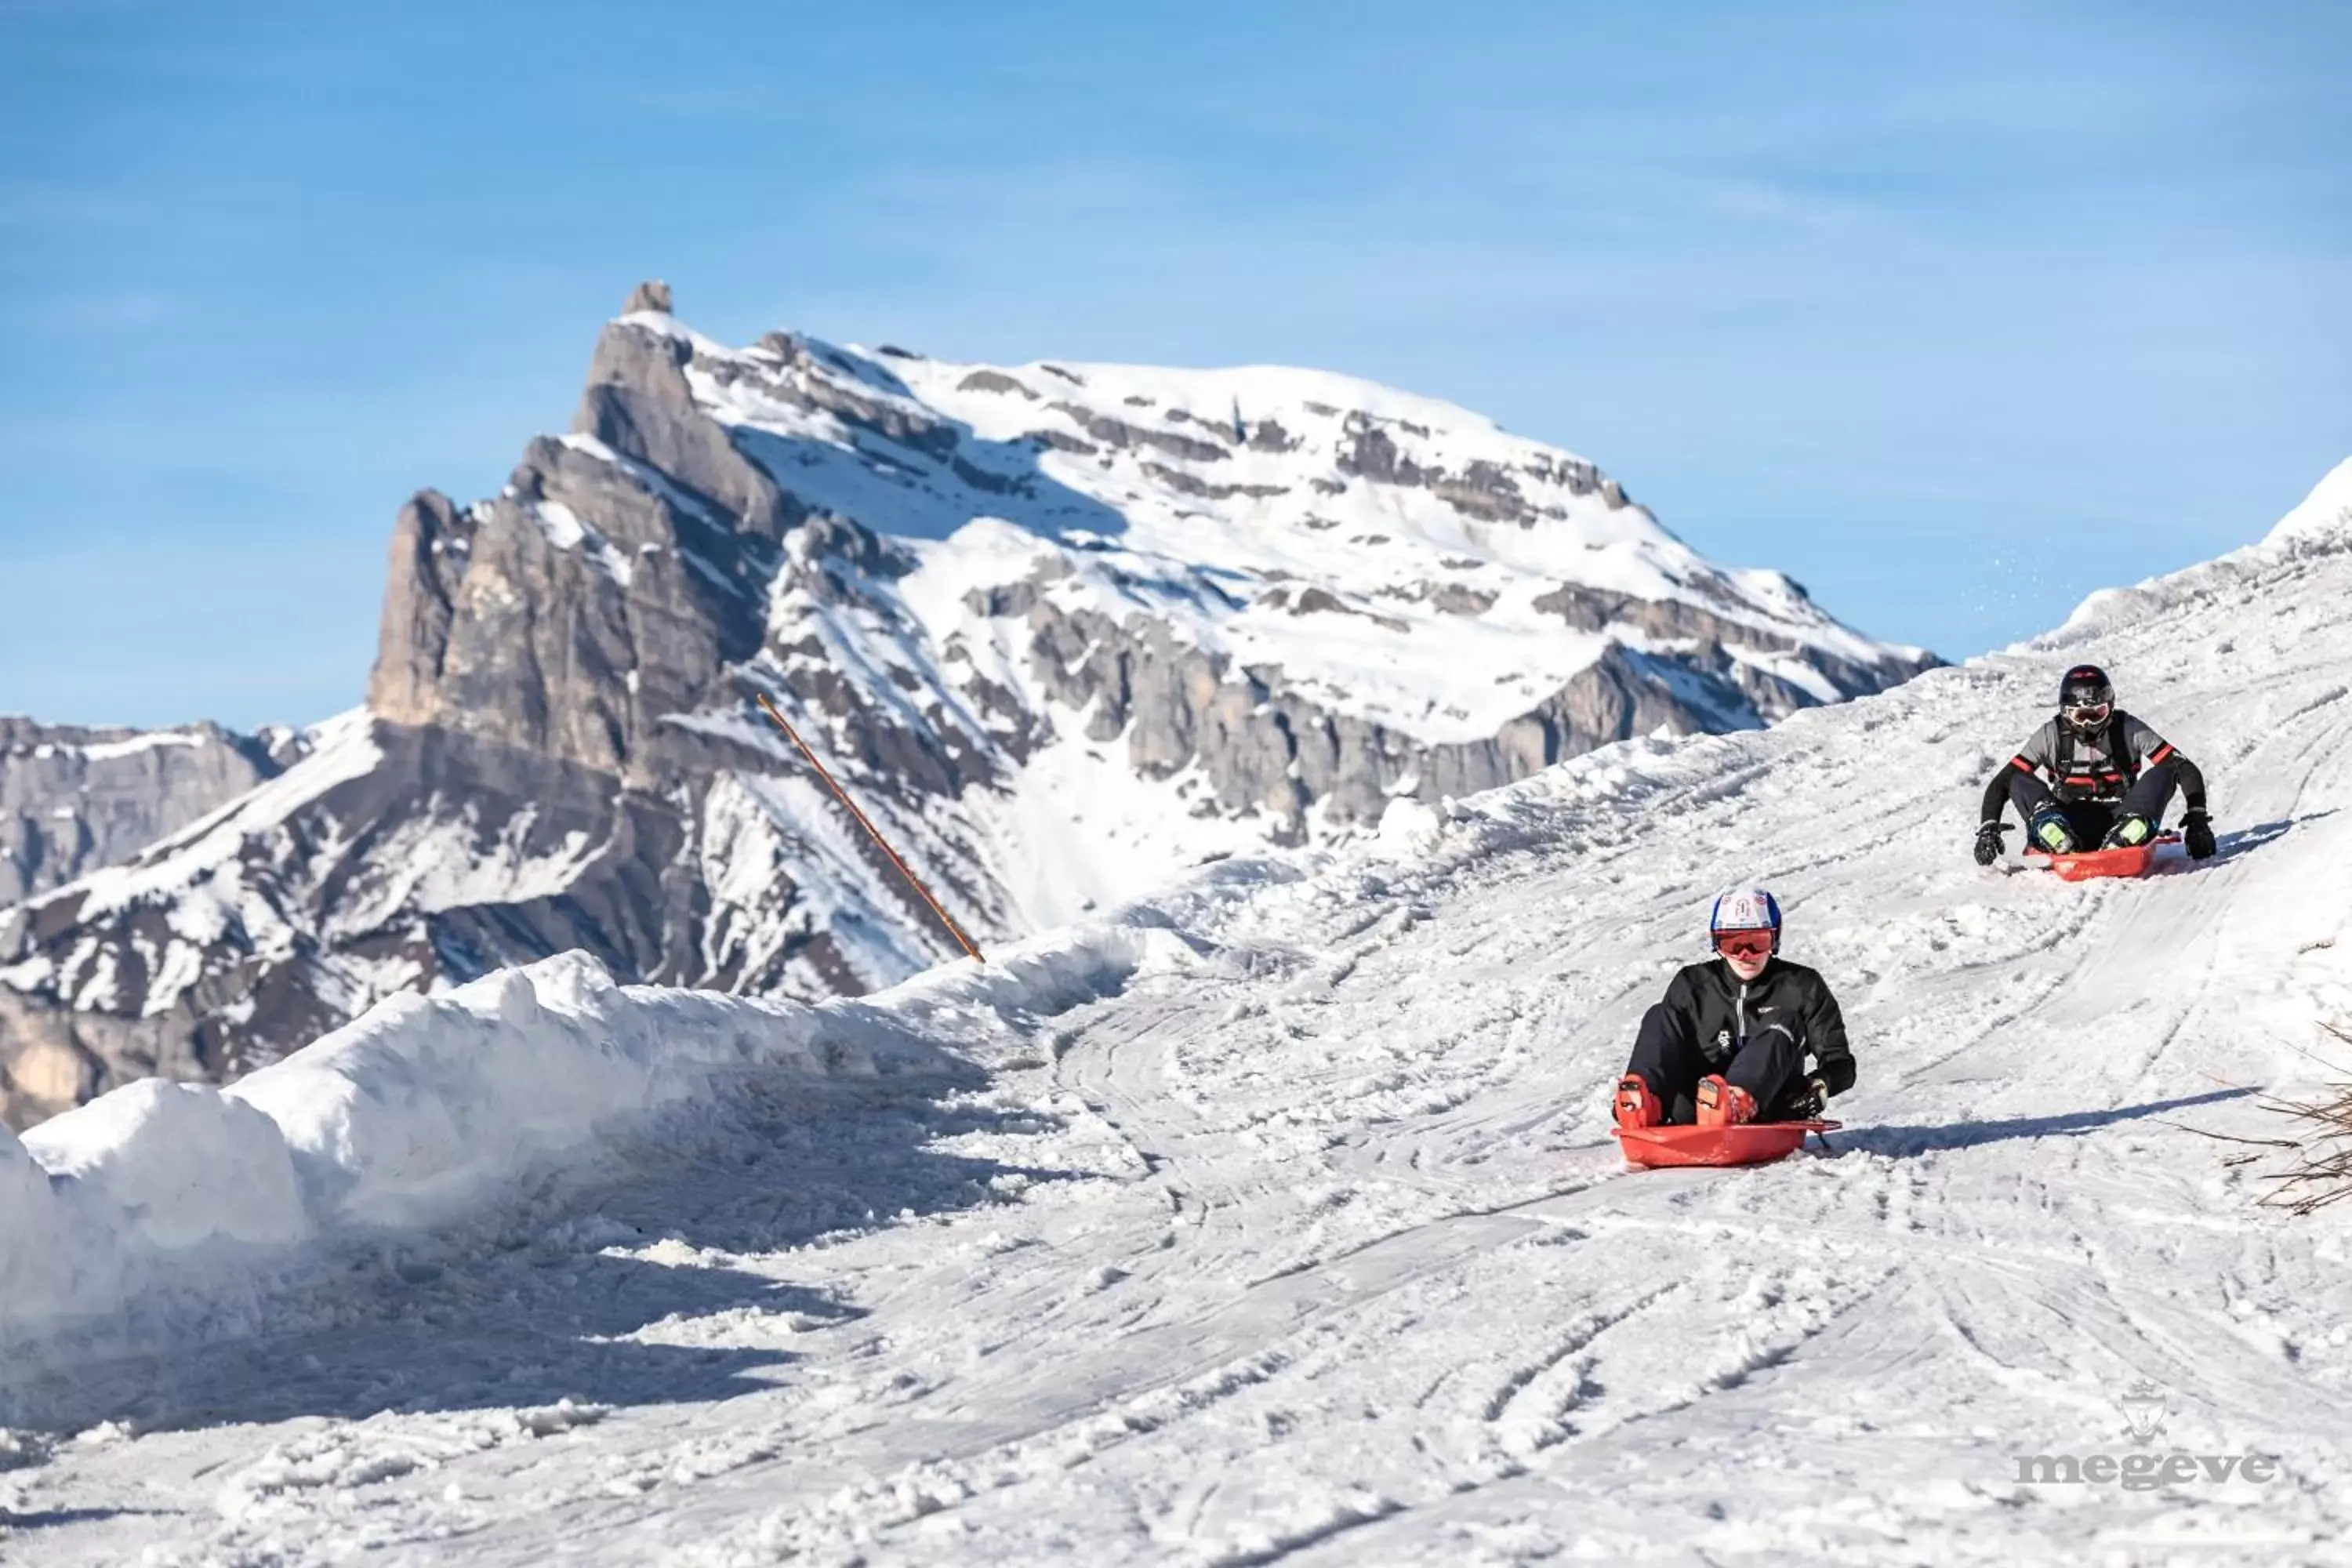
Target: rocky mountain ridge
[{"x": 74, "y": 798}]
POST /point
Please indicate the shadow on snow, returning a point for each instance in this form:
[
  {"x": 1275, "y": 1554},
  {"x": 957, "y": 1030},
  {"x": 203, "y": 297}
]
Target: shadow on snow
[
  {"x": 51, "y": 1519},
  {"x": 1900, "y": 1140},
  {"x": 2230, "y": 845},
  {"x": 929, "y": 489}
]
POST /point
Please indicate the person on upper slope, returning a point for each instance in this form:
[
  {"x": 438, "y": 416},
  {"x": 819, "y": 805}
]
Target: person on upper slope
[
  {"x": 1728, "y": 1044},
  {"x": 2110, "y": 776}
]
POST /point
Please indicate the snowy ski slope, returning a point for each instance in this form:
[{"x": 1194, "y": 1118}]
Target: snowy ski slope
[{"x": 1275, "y": 1219}]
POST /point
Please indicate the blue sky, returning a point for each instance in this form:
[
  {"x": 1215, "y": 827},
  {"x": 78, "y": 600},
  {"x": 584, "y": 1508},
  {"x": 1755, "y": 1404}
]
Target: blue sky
[{"x": 1956, "y": 313}]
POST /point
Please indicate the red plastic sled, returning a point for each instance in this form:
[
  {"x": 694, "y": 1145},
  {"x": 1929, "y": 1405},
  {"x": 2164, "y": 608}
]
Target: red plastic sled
[
  {"x": 1750, "y": 1143},
  {"x": 2084, "y": 864}
]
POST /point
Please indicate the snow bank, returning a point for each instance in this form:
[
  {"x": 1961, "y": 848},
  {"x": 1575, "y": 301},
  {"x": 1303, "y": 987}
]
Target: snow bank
[
  {"x": 181, "y": 1164},
  {"x": 426, "y": 1106},
  {"x": 176, "y": 1198},
  {"x": 164, "y": 1212}
]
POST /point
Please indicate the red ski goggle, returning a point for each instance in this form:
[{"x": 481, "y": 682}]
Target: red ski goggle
[
  {"x": 1743, "y": 944},
  {"x": 2089, "y": 712}
]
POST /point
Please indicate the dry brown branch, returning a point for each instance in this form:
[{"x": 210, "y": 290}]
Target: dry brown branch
[{"x": 2322, "y": 1139}]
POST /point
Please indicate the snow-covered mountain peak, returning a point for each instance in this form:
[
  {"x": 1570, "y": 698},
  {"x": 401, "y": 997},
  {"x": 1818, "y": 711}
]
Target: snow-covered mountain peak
[
  {"x": 1263, "y": 466},
  {"x": 1403, "y": 560}
]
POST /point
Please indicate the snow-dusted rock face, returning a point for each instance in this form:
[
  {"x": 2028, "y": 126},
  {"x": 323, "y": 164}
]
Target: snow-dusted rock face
[
  {"x": 74, "y": 799},
  {"x": 1065, "y": 629}
]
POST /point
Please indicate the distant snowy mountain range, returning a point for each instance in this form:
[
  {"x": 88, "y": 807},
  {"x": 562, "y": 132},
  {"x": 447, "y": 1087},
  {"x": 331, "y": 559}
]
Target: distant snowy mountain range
[{"x": 1064, "y": 628}]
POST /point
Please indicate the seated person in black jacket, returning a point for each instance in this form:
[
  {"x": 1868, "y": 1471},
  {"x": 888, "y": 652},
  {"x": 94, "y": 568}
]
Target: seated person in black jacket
[
  {"x": 1729, "y": 1042},
  {"x": 2110, "y": 779}
]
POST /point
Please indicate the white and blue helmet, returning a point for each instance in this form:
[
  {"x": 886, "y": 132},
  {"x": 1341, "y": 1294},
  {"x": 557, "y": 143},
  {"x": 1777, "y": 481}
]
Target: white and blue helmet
[{"x": 1746, "y": 908}]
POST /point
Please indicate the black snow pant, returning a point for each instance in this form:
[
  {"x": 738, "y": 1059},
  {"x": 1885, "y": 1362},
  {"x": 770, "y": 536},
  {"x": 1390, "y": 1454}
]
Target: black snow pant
[
  {"x": 2090, "y": 819},
  {"x": 1768, "y": 1065}
]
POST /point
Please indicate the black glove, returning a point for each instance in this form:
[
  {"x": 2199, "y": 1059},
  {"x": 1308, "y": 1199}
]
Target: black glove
[
  {"x": 2197, "y": 833},
  {"x": 1988, "y": 844},
  {"x": 1809, "y": 1100}
]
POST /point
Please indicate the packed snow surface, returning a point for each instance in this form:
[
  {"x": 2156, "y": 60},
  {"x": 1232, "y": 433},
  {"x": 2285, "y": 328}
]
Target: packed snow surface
[{"x": 1274, "y": 1219}]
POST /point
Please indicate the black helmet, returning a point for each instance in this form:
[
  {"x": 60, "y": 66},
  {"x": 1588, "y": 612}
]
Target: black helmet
[{"x": 2087, "y": 700}]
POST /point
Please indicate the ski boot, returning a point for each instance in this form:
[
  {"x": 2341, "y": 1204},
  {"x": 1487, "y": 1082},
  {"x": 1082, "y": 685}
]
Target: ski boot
[
  {"x": 2051, "y": 831},
  {"x": 2130, "y": 833},
  {"x": 1723, "y": 1104},
  {"x": 1635, "y": 1105}
]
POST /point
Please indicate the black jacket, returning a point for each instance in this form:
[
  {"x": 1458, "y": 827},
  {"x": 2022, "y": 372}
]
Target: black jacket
[{"x": 1719, "y": 1010}]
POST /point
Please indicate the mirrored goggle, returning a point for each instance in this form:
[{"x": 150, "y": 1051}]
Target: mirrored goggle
[
  {"x": 2089, "y": 712},
  {"x": 1743, "y": 944}
]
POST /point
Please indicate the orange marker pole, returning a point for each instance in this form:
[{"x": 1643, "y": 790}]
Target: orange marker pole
[{"x": 947, "y": 920}]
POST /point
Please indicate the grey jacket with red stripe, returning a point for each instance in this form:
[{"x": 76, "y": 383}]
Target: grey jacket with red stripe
[{"x": 2099, "y": 767}]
